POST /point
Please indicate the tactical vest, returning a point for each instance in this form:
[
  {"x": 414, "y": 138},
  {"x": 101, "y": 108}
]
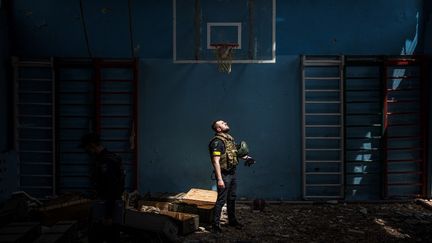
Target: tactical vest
[{"x": 228, "y": 160}]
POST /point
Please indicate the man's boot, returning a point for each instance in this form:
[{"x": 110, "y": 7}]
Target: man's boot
[
  {"x": 216, "y": 228},
  {"x": 236, "y": 224}
]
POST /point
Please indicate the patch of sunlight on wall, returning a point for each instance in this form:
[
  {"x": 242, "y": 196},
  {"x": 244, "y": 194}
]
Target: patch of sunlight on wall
[
  {"x": 367, "y": 145},
  {"x": 363, "y": 157},
  {"x": 368, "y": 135},
  {"x": 360, "y": 168},
  {"x": 357, "y": 180},
  {"x": 408, "y": 49}
]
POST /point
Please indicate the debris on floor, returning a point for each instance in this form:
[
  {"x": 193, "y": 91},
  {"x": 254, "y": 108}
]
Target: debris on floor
[
  {"x": 186, "y": 217},
  {"x": 186, "y": 211},
  {"x": 340, "y": 222}
]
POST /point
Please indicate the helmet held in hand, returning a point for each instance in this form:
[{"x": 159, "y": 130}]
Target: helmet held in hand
[{"x": 242, "y": 149}]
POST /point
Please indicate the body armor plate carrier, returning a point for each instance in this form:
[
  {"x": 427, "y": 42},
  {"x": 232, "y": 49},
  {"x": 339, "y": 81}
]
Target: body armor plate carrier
[{"x": 228, "y": 160}]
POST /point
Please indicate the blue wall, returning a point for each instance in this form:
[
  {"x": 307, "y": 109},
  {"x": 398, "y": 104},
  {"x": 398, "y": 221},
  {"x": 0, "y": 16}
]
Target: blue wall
[
  {"x": 4, "y": 66},
  {"x": 427, "y": 12},
  {"x": 7, "y": 160},
  {"x": 428, "y": 51},
  {"x": 179, "y": 101},
  {"x": 309, "y": 27},
  {"x": 347, "y": 27}
]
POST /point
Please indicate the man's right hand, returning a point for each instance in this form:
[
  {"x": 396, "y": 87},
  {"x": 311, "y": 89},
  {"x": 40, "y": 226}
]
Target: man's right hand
[{"x": 221, "y": 184}]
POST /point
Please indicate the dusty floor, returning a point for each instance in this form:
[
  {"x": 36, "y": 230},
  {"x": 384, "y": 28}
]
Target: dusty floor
[{"x": 338, "y": 222}]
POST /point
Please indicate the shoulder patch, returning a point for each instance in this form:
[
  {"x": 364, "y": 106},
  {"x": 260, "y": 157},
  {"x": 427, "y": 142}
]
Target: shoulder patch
[{"x": 216, "y": 143}]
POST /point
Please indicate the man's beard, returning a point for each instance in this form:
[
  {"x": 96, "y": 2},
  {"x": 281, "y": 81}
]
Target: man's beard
[{"x": 226, "y": 130}]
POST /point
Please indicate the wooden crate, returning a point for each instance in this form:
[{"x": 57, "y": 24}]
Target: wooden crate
[
  {"x": 187, "y": 223},
  {"x": 205, "y": 213},
  {"x": 55, "y": 212},
  {"x": 198, "y": 201},
  {"x": 152, "y": 222},
  {"x": 161, "y": 205},
  {"x": 163, "y": 196}
]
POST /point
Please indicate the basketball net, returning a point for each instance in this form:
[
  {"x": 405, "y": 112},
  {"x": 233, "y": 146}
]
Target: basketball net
[{"x": 224, "y": 54}]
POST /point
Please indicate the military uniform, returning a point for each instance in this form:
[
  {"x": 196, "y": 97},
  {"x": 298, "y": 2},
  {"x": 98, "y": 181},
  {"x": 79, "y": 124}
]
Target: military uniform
[
  {"x": 108, "y": 176},
  {"x": 108, "y": 180},
  {"x": 223, "y": 145}
]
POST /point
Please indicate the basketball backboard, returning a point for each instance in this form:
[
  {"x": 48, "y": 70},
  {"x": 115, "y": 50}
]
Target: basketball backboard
[{"x": 200, "y": 24}]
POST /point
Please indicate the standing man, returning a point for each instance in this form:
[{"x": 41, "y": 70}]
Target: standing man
[
  {"x": 107, "y": 176},
  {"x": 224, "y": 156}
]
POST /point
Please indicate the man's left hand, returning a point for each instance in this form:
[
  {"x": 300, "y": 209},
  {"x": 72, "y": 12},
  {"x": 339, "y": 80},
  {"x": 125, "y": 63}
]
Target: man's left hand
[{"x": 249, "y": 161}]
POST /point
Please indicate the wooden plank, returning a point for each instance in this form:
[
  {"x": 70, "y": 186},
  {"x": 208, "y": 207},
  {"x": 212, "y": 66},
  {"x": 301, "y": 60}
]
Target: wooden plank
[
  {"x": 200, "y": 197},
  {"x": 205, "y": 212}
]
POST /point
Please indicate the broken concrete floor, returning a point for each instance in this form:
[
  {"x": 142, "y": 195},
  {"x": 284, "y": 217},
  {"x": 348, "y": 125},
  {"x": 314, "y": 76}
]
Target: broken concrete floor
[{"x": 337, "y": 222}]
